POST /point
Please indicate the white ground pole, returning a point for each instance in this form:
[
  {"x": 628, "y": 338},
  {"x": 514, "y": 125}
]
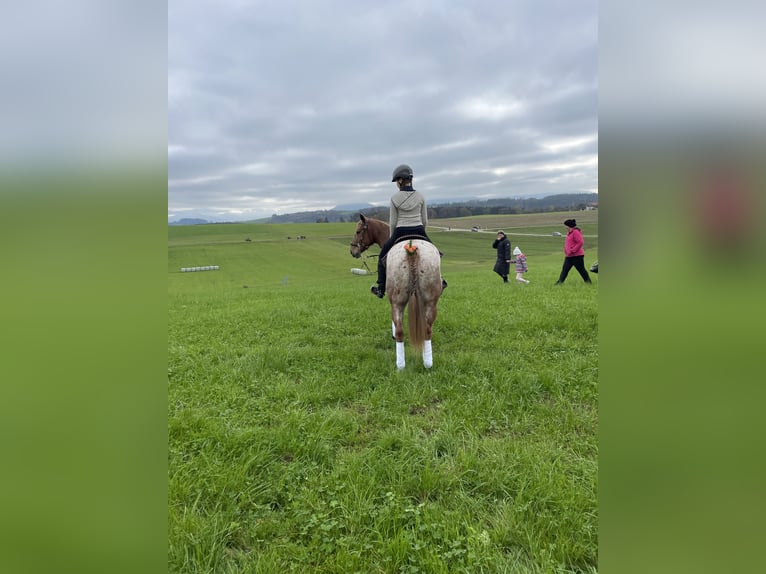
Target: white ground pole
[{"x": 204, "y": 268}]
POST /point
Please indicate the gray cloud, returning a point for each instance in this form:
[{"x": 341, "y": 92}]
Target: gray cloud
[{"x": 306, "y": 105}]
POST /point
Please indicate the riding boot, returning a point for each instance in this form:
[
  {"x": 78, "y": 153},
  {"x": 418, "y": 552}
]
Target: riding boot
[{"x": 379, "y": 290}]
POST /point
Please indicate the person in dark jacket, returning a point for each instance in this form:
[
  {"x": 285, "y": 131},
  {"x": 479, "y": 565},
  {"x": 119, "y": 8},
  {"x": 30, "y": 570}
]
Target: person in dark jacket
[
  {"x": 503, "y": 263},
  {"x": 574, "y": 256}
]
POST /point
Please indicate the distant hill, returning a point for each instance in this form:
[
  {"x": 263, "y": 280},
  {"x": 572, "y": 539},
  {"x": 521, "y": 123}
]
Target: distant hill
[
  {"x": 350, "y": 212},
  {"x": 189, "y": 221},
  {"x": 352, "y": 206},
  {"x": 560, "y": 202},
  {"x": 502, "y": 206}
]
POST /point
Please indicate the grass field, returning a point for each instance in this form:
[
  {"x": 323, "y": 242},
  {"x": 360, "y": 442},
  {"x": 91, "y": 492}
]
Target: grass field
[{"x": 296, "y": 446}]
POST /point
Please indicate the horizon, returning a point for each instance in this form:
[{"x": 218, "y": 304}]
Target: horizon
[{"x": 226, "y": 218}]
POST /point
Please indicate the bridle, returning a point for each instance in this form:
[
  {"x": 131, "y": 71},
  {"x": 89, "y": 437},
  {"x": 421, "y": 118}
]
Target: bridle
[{"x": 361, "y": 233}]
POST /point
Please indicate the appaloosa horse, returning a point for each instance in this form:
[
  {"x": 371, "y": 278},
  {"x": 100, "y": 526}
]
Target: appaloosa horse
[{"x": 413, "y": 277}]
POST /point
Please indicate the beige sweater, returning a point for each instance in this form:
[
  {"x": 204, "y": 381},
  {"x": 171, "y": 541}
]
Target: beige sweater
[{"x": 408, "y": 209}]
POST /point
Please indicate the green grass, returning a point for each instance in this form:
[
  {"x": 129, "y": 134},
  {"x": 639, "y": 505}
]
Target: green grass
[{"x": 296, "y": 445}]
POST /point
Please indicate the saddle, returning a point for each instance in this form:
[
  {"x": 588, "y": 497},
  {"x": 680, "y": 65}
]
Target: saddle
[
  {"x": 407, "y": 238},
  {"x": 412, "y": 236}
]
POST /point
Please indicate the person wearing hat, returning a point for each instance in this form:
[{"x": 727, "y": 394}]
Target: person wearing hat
[
  {"x": 503, "y": 262},
  {"x": 408, "y": 215},
  {"x": 521, "y": 264},
  {"x": 574, "y": 256}
]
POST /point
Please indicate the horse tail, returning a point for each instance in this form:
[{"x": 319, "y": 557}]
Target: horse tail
[{"x": 416, "y": 319}]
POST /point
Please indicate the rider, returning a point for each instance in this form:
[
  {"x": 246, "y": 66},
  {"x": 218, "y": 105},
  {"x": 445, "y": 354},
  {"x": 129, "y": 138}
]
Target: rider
[{"x": 407, "y": 216}]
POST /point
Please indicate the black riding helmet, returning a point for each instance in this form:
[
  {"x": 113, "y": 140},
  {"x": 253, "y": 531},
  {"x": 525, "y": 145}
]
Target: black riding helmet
[{"x": 403, "y": 171}]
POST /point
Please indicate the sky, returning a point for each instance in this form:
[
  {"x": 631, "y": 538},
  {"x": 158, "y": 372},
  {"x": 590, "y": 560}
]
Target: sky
[{"x": 301, "y": 105}]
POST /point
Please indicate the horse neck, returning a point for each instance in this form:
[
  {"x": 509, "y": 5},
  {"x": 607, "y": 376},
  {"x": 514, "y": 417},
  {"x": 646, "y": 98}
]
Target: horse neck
[{"x": 379, "y": 232}]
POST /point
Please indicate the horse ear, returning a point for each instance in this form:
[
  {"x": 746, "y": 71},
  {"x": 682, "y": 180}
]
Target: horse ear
[{"x": 361, "y": 218}]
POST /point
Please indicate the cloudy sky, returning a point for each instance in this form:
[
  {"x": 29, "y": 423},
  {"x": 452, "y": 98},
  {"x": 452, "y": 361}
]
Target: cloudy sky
[{"x": 278, "y": 107}]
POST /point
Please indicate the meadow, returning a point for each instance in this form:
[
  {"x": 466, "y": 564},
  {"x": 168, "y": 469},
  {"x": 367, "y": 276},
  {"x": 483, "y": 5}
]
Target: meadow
[{"x": 296, "y": 446}]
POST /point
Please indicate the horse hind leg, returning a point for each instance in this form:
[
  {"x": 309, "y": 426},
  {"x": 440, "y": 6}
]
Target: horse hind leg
[
  {"x": 397, "y": 316},
  {"x": 428, "y": 357}
]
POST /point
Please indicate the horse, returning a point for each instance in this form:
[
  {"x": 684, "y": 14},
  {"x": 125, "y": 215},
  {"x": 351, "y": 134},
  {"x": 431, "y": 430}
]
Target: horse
[
  {"x": 369, "y": 232},
  {"x": 413, "y": 277}
]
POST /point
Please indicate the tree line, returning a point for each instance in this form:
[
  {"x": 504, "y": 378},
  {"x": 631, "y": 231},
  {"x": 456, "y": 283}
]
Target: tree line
[{"x": 503, "y": 206}]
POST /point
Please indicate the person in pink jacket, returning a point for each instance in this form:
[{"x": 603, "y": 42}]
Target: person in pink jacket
[{"x": 574, "y": 256}]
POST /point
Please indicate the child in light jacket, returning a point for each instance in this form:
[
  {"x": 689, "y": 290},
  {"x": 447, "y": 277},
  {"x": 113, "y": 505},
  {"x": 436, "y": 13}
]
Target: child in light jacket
[{"x": 521, "y": 265}]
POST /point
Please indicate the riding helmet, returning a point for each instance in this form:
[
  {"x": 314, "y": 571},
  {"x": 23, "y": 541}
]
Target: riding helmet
[{"x": 403, "y": 171}]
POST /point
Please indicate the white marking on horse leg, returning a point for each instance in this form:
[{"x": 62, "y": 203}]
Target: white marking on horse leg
[
  {"x": 400, "y": 355},
  {"x": 428, "y": 357},
  {"x": 393, "y": 329}
]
